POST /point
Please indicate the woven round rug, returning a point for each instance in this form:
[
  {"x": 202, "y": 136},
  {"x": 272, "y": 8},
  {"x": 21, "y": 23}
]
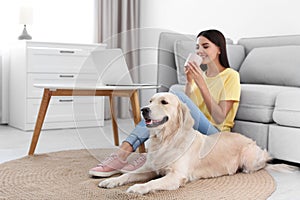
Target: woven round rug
[{"x": 64, "y": 175}]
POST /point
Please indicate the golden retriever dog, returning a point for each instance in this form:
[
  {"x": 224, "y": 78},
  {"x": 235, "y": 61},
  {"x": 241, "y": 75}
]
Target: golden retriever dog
[{"x": 179, "y": 154}]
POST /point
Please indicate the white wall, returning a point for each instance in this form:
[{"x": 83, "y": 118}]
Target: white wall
[
  {"x": 53, "y": 20},
  {"x": 235, "y": 18},
  {"x": 64, "y": 20}
]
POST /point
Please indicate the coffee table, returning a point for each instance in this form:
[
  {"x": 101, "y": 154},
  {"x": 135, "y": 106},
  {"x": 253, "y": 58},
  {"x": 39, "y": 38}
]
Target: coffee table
[{"x": 53, "y": 89}]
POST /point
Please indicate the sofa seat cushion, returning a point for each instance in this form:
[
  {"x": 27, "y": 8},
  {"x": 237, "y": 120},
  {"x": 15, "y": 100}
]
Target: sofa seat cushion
[
  {"x": 287, "y": 108},
  {"x": 258, "y": 101}
]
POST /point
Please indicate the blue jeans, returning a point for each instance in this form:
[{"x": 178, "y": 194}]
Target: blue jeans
[{"x": 141, "y": 133}]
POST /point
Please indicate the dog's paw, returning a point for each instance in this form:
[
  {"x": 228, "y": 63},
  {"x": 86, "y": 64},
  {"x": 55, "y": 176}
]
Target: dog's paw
[
  {"x": 138, "y": 188},
  {"x": 110, "y": 183}
]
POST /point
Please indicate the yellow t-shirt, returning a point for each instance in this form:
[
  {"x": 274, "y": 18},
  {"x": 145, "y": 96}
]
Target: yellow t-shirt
[{"x": 224, "y": 86}]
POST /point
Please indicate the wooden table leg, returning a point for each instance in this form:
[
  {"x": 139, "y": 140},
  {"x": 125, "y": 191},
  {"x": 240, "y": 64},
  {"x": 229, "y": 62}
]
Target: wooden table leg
[
  {"x": 134, "y": 99},
  {"x": 114, "y": 120},
  {"x": 40, "y": 120}
]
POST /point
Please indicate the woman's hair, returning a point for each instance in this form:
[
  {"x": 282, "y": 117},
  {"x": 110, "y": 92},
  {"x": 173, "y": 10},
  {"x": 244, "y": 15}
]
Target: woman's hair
[{"x": 218, "y": 39}]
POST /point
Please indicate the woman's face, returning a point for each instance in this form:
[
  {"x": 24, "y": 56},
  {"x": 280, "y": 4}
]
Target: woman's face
[{"x": 207, "y": 50}]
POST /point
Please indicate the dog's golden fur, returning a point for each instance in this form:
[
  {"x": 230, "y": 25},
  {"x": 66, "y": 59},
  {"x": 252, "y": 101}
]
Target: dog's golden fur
[{"x": 181, "y": 154}]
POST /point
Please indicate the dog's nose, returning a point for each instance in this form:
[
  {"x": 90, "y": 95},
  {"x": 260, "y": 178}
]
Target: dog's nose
[{"x": 145, "y": 110}]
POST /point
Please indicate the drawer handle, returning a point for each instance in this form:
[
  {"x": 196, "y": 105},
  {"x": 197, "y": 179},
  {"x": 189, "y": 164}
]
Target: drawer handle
[
  {"x": 66, "y": 76},
  {"x": 66, "y": 51},
  {"x": 65, "y": 100}
]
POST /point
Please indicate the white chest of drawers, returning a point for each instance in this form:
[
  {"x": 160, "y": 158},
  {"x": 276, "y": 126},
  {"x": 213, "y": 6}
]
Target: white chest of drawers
[{"x": 44, "y": 62}]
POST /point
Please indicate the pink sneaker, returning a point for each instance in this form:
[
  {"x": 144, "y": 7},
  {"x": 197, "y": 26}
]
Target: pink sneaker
[
  {"x": 110, "y": 166},
  {"x": 137, "y": 163}
]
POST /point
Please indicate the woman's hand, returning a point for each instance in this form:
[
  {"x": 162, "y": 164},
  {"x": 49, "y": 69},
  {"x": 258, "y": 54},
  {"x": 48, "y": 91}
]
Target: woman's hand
[
  {"x": 189, "y": 79},
  {"x": 193, "y": 72},
  {"x": 188, "y": 74}
]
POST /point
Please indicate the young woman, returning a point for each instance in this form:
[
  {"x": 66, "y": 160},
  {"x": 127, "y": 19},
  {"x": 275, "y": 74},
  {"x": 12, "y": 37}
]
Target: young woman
[{"x": 212, "y": 97}]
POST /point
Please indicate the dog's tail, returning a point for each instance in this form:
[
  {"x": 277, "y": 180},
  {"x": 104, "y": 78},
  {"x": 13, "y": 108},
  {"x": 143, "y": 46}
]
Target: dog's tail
[{"x": 285, "y": 168}]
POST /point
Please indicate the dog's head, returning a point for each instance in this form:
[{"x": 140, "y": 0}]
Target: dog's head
[
  {"x": 167, "y": 111},
  {"x": 171, "y": 129}
]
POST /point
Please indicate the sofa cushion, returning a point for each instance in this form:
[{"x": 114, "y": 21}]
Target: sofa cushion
[
  {"x": 268, "y": 41},
  {"x": 182, "y": 48},
  {"x": 236, "y": 55},
  {"x": 166, "y": 72},
  {"x": 177, "y": 88},
  {"x": 272, "y": 65},
  {"x": 258, "y": 101},
  {"x": 287, "y": 109}
]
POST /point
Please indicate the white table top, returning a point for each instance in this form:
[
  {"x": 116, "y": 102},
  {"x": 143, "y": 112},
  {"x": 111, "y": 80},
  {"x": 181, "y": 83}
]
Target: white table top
[{"x": 55, "y": 86}]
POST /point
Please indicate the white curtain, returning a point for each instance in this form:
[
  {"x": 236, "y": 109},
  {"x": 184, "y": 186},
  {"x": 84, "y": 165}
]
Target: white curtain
[{"x": 117, "y": 26}]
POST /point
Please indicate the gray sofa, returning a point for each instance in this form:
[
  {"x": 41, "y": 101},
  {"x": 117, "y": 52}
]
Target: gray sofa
[{"x": 269, "y": 68}]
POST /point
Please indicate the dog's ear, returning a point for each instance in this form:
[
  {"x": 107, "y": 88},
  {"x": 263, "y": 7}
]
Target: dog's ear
[{"x": 186, "y": 119}]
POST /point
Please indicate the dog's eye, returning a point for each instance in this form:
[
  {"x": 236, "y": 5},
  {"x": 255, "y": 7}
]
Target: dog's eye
[{"x": 164, "y": 102}]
